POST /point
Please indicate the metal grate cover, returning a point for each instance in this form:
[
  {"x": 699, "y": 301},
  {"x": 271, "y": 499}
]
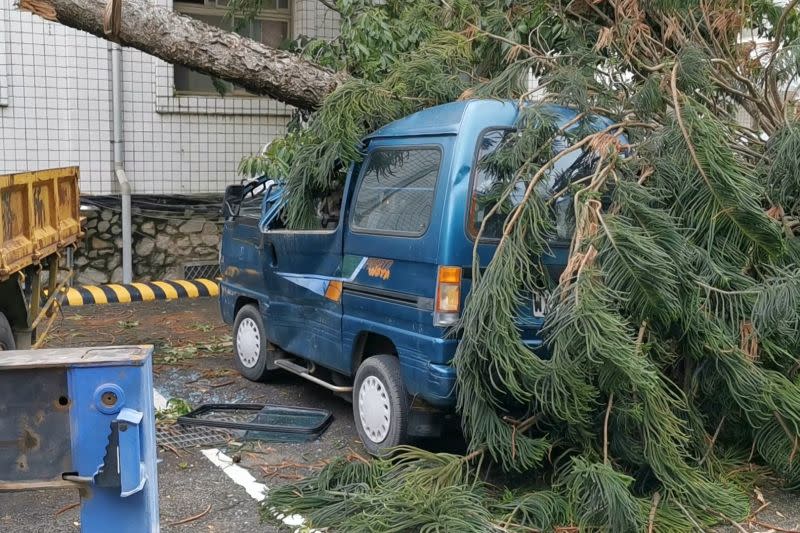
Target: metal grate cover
[
  {"x": 273, "y": 423},
  {"x": 178, "y": 436},
  {"x": 201, "y": 270}
]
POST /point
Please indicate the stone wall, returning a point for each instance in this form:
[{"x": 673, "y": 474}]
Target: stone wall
[{"x": 161, "y": 245}]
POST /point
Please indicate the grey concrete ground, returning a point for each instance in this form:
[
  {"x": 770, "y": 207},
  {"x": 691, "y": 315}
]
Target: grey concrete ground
[
  {"x": 184, "y": 492},
  {"x": 193, "y": 361}
]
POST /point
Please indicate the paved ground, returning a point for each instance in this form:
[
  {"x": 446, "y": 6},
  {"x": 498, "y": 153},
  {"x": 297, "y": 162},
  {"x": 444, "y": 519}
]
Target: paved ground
[{"x": 193, "y": 361}]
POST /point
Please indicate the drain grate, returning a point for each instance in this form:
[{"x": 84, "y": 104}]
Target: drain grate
[
  {"x": 200, "y": 270},
  {"x": 178, "y": 436}
]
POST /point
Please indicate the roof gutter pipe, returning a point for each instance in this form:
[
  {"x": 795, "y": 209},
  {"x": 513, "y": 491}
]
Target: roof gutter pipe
[{"x": 119, "y": 163}]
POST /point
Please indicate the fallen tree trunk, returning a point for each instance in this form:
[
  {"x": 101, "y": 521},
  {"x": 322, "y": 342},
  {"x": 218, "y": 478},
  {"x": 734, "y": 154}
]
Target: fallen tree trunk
[{"x": 181, "y": 40}]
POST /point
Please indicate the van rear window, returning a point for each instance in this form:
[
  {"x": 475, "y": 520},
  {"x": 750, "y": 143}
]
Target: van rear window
[
  {"x": 396, "y": 192},
  {"x": 488, "y": 187}
]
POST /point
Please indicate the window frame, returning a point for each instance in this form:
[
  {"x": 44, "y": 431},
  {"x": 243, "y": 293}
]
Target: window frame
[
  {"x": 259, "y": 197},
  {"x": 362, "y": 173},
  {"x": 4, "y": 61},
  {"x": 190, "y": 9},
  {"x": 345, "y": 205},
  {"x": 469, "y": 222}
]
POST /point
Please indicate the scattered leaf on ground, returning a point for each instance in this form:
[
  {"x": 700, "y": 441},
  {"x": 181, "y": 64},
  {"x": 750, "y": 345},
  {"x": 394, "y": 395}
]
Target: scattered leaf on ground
[{"x": 175, "y": 407}]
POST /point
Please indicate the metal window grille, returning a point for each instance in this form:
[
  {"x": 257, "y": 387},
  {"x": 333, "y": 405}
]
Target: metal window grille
[
  {"x": 270, "y": 26},
  {"x": 201, "y": 270},
  {"x": 178, "y": 436}
]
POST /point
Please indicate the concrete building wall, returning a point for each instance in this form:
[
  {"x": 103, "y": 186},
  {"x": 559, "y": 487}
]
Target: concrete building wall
[{"x": 55, "y": 110}]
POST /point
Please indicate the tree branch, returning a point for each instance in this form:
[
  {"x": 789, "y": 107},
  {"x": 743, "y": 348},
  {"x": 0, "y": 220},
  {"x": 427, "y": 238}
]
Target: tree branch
[
  {"x": 182, "y": 40},
  {"x": 329, "y": 5},
  {"x": 605, "y": 428}
]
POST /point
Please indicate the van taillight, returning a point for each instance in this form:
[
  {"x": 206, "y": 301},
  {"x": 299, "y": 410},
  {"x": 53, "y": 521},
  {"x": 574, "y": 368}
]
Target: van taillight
[{"x": 448, "y": 296}]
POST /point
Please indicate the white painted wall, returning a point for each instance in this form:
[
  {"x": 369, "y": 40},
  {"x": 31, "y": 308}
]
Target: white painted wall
[{"x": 55, "y": 110}]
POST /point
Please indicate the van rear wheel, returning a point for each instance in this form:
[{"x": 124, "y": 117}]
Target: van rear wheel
[
  {"x": 380, "y": 404},
  {"x": 252, "y": 354}
]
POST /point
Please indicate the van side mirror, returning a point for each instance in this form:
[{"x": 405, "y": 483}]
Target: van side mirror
[{"x": 231, "y": 201}]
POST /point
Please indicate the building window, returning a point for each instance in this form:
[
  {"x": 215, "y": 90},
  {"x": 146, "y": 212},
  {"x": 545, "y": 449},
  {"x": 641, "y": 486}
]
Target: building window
[{"x": 271, "y": 26}]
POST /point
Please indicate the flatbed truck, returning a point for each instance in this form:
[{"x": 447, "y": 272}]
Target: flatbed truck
[{"x": 40, "y": 226}]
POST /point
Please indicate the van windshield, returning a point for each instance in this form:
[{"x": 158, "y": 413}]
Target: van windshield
[{"x": 488, "y": 187}]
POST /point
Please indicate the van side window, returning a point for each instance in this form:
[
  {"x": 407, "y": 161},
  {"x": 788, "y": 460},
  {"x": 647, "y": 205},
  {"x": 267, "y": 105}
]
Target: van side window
[
  {"x": 396, "y": 192},
  {"x": 488, "y": 186}
]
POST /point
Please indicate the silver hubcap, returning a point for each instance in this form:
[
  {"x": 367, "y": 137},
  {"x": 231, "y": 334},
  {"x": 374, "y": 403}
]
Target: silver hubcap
[
  {"x": 373, "y": 407},
  {"x": 248, "y": 342}
]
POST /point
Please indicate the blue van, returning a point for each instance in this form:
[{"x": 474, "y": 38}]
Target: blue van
[{"x": 363, "y": 304}]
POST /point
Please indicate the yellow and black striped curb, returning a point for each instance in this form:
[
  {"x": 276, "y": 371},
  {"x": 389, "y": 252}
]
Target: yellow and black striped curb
[{"x": 140, "y": 292}]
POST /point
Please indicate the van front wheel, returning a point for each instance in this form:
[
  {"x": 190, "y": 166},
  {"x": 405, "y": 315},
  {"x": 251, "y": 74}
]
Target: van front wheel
[
  {"x": 380, "y": 404},
  {"x": 251, "y": 349}
]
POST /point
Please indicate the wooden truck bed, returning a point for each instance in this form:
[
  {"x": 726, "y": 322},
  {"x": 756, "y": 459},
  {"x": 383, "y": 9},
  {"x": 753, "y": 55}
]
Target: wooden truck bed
[{"x": 39, "y": 214}]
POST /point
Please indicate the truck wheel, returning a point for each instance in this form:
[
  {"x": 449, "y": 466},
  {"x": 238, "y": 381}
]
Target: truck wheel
[
  {"x": 6, "y": 335},
  {"x": 250, "y": 345},
  {"x": 380, "y": 404}
]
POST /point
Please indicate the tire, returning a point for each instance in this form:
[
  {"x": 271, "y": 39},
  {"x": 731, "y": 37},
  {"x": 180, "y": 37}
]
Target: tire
[
  {"x": 6, "y": 335},
  {"x": 380, "y": 404},
  {"x": 251, "y": 349}
]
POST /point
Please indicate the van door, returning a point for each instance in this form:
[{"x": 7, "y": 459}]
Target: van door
[
  {"x": 240, "y": 252},
  {"x": 392, "y": 236},
  {"x": 302, "y": 269}
]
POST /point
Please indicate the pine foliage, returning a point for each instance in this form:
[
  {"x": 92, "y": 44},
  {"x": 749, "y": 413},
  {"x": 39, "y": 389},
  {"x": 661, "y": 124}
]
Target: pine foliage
[{"x": 671, "y": 342}]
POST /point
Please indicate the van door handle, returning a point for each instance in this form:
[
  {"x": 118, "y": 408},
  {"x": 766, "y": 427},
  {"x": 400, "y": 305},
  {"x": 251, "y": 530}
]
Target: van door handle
[{"x": 273, "y": 257}]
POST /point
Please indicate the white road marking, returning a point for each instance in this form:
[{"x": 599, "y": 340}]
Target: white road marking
[
  {"x": 243, "y": 478},
  {"x": 159, "y": 402},
  {"x": 239, "y": 475}
]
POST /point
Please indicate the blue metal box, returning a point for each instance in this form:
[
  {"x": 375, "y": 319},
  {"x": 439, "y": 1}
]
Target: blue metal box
[{"x": 83, "y": 418}]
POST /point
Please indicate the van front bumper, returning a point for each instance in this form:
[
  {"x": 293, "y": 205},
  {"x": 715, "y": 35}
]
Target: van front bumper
[
  {"x": 442, "y": 384},
  {"x": 434, "y": 383}
]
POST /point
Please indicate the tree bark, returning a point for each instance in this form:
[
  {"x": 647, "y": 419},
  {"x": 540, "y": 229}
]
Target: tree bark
[{"x": 181, "y": 40}]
